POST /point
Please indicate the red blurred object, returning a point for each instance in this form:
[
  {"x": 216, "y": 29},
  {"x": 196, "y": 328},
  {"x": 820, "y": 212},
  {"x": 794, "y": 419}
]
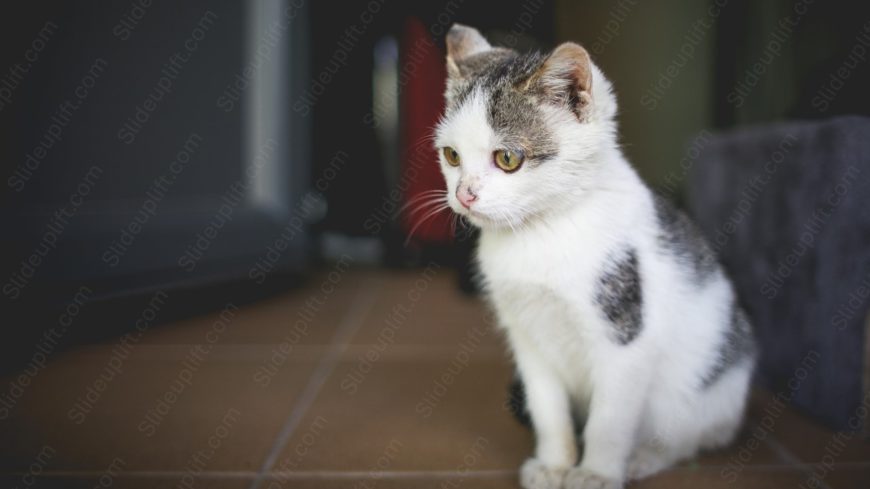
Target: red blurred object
[{"x": 422, "y": 103}]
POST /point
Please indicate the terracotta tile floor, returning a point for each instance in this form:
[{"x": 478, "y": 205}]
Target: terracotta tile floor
[{"x": 391, "y": 380}]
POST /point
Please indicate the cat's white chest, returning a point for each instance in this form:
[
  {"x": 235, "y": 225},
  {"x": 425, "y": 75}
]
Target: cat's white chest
[{"x": 541, "y": 291}]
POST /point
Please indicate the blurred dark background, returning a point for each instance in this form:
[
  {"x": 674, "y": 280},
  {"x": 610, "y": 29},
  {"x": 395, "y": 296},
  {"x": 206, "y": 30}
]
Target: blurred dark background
[{"x": 228, "y": 148}]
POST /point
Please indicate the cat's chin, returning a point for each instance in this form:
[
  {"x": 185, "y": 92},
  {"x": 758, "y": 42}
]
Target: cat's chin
[{"x": 485, "y": 222}]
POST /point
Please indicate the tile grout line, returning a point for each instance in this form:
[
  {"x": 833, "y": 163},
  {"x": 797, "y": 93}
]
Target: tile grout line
[
  {"x": 782, "y": 452},
  {"x": 296, "y": 475},
  {"x": 787, "y": 456},
  {"x": 349, "y": 325},
  {"x": 355, "y": 474},
  {"x": 394, "y": 474}
]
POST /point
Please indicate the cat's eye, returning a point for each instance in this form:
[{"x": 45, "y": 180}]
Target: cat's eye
[
  {"x": 451, "y": 156},
  {"x": 508, "y": 160}
]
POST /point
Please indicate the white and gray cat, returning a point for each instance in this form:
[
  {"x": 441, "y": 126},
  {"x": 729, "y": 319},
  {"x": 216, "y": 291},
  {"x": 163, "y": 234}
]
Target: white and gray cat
[{"x": 615, "y": 307}]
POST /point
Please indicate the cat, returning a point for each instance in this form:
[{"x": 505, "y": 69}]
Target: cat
[{"x": 614, "y": 306}]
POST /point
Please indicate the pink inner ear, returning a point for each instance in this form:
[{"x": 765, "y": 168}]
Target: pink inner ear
[
  {"x": 572, "y": 60},
  {"x": 567, "y": 74}
]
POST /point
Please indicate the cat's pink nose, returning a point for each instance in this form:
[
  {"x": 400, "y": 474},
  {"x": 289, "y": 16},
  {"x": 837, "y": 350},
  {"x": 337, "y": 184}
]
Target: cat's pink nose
[{"x": 466, "y": 196}]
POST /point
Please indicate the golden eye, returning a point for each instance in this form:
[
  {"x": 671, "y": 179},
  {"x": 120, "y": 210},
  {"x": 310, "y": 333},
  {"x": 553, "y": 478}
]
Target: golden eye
[
  {"x": 508, "y": 160},
  {"x": 451, "y": 156}
]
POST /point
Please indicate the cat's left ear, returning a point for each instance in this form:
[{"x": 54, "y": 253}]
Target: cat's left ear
[
  {"x": 566, "y": 78},
  {"x": 462, "y": 42}
]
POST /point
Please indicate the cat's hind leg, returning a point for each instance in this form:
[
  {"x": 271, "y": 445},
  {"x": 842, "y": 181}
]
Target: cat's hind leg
[{"x": 724, "y": 405}]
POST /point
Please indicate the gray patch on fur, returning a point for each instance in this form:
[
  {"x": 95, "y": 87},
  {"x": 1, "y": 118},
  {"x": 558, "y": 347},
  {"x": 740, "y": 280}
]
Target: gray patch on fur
[
  {"x": 517, "y": 119},
  {"x": 620, "y": 297},
  {"x": 681, "y": 237},
  {"x": 474, "y": 70},
  {"x": 512, "y": 111},
  {"x": 737, "y": 345}
]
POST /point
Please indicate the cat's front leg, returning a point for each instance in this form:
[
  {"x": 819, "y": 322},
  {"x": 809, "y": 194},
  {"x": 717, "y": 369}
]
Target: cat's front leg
[
  {"x": 549, "y": 406},
  {"x": 618, "y": 397}
]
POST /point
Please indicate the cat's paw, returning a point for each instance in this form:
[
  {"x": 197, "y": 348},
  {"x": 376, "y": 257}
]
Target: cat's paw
[
  {"x": 534, "y": 474},
  {"x": 579, "y": 478}
]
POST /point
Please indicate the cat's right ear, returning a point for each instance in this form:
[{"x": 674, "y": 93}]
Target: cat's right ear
[
  {"x": 566, "y": 78},
  {"x": 462, "y": 42}
]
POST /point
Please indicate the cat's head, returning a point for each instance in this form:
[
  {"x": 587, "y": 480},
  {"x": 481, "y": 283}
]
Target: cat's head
[{"x": 521, "y": 131}]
